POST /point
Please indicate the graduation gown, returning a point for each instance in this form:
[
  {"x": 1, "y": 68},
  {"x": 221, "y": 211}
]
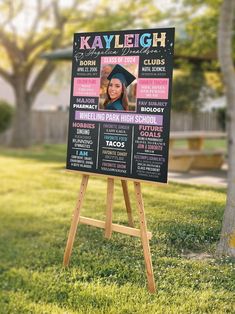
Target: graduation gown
[{"x": 116, "y": 105}]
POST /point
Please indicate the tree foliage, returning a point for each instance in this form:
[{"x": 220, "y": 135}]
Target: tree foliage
[
  {"x": 197, "y": 39},
  {"x": 50, "y": 26},
  {"x": 200, "y": 20},
  {"x": 190, "y": 90}
]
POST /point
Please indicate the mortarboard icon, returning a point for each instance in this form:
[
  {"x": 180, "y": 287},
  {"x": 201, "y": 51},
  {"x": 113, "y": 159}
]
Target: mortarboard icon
[{"x": 122, "y": 74}]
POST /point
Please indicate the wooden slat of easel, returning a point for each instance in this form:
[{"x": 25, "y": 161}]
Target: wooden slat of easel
[
  {"x": 75, "y": 219},
  {"x": 115, "y": 227},
  {"x": 109, "y": 226}
]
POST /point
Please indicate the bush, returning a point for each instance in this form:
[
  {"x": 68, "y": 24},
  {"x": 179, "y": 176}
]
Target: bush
[{"x": 6, "y": 114}]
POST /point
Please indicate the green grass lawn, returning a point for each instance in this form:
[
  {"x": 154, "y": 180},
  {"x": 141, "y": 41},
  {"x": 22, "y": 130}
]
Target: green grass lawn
[
  {"x": 105, "y": 276},
  {"x": 209, "y": 144}
]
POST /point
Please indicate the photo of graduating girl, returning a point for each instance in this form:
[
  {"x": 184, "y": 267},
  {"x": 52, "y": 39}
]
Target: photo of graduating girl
[{"x": 116, "y": 94}]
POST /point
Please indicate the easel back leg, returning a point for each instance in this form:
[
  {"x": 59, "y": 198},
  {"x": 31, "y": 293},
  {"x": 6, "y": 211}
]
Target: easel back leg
[
  {"x": 109, "y": 208},
  {"x": 127, "y": 203},
  {"x": 144, "y": 238}
]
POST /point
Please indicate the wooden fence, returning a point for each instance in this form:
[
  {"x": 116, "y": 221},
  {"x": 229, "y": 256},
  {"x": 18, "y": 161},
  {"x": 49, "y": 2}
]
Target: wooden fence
[
  {"x": 51, "y": 127},
  {"x": 189, "y": 121}
]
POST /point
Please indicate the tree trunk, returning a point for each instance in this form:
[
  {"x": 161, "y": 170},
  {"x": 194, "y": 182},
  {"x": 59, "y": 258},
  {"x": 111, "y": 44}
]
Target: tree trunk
[
  {"x": 21, "y": 126},
  {"x": 226, "y": 245}
]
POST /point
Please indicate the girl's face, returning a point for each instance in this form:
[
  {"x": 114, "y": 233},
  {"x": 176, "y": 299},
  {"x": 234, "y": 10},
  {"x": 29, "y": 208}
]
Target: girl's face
[{"x": 115, "y": 89}]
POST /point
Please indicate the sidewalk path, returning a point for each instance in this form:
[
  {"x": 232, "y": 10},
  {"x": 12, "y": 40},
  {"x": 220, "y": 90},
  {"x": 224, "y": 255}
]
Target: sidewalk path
[{"x": 212, "y": 178}]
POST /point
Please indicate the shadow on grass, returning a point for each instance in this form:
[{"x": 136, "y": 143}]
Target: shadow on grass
[
  {"x": 38, "y": 242},
  {"x": 32, "y": 258},
  {"x": 32, "y": 250},
  {"x": 198, "y": 187}
]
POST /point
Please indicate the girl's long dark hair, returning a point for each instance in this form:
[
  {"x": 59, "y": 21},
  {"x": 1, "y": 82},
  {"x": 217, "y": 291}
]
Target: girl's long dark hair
[{"x": 123, "y": 98}]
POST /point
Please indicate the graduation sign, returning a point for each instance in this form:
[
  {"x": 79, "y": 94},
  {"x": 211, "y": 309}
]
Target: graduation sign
[{"x": 120, "y": 103}]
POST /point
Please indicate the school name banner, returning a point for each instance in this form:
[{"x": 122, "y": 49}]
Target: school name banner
[{"x": 120, "y": 103}]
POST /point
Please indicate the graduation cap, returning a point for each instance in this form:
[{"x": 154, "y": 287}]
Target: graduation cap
[{"x": 122, "y": 74}]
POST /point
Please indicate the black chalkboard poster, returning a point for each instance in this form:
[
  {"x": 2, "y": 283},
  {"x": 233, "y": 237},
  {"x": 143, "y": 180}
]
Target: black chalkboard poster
[{"x": 120, "y": 103}]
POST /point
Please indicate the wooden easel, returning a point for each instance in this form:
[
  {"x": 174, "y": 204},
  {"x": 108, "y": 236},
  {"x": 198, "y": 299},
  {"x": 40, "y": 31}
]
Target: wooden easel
[{"x": 109, "y": 226}]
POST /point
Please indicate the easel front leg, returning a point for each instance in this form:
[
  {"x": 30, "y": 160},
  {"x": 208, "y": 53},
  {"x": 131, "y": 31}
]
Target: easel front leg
[
  {"x": 109, "y": 208},
  {"x": 127, "y": 202},
  {"x": 144, "y": 238},
  {"x": 75, "y": 219}
]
